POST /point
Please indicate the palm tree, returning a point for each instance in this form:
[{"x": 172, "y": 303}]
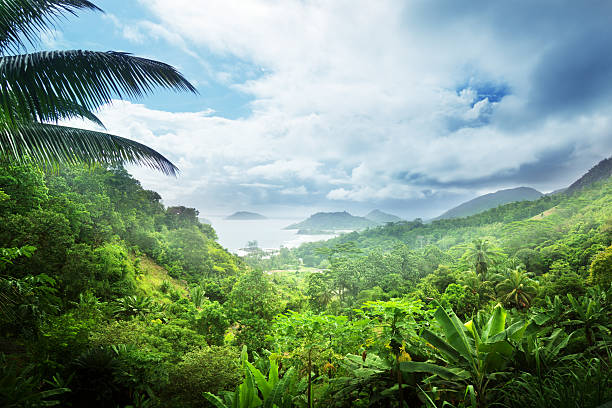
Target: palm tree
[
  {"x": 518, "y": 289},
  {"x": 39, "y": 89},
  {"x": 481, "y": 254}
]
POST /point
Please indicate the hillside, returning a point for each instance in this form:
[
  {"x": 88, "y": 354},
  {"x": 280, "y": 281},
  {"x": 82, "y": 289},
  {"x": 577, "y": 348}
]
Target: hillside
[
  {"x": 529, "y": 225},
  {"x": 245, "y": 215},
  {"x": 491, "y": 200},
  {"x": 333, "y": 221},
  {"x": 600, "y": 171},
  {"x": 380, "y": 217}
]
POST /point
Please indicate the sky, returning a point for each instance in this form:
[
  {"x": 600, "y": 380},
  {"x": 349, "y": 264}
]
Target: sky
[{"x": 411, "y": 107}]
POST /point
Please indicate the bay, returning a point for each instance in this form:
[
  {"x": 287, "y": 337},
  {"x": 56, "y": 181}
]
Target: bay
[{"x": 269, "y": 233}]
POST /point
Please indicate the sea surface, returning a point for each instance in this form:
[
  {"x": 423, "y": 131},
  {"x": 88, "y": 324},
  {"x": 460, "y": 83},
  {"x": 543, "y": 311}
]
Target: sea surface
[{"x": 269, "y": 233}]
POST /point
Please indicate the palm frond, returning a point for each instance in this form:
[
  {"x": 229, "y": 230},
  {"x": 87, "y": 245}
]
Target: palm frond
[
  {"x": 21, "y": 21},
  {"x": 53, "y": 145},
  {"x": 63, "y": 109},
  {"x": 87, "y": 78}
]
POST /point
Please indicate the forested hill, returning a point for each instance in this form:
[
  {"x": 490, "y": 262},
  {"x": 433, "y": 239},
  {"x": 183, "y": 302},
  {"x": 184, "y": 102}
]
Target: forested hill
[
  {"x": 491, "y": 200},
  {"x": 380, "y": 217},
  {"x": 521, "y": 225},
  {"x": 89, "y": 225},
  {"x": 601, "y": 171},
  {"x": 333, "y": 221},
  {"x": 245, "y": 215}
]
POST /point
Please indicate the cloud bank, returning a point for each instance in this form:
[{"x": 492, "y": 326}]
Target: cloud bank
[{"x": 406, "y": 106}]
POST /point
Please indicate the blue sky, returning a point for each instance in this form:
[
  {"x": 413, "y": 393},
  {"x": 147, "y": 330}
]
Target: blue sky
[
  {"x": 118, "y": 30},
  {"x": 410, "y": 107}
]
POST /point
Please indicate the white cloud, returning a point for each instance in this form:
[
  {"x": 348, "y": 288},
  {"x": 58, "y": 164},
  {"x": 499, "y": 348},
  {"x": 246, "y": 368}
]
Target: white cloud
[
  {"x": 300, "y": 190},
  {"x": 356, "y": 101}
]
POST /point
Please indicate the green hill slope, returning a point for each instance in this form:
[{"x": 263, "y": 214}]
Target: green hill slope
[
  {"x": 492, "y": 200},
  {"x": 380, "y": 217},
  {"x": 600, "y": 171},
  {"x": 584, "y": 218}
]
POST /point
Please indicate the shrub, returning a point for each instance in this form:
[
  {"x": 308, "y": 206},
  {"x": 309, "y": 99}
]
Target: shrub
[{"x": 210, "y": 369}]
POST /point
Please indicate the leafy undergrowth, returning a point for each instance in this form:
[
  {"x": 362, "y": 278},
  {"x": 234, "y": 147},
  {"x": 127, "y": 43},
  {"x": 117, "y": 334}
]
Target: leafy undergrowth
[
  {"x": 152, "y": 278},
  {"x": 544, "y": 214}
]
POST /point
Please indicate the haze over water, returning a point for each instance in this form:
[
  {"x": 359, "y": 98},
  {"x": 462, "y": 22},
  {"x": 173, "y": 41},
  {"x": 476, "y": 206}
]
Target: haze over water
[{"x": 269, "y": 233}]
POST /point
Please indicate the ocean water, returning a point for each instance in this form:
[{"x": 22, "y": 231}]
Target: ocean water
[{"x": 269, "y": 233}]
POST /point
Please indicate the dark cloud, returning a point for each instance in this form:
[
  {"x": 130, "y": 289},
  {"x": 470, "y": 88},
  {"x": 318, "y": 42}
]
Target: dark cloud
[{"x": 574, "y": 76}]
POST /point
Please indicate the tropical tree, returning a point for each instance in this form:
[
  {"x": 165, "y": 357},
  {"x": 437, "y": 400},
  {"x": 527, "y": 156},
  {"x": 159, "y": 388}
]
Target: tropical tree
[
  {"x": 590, "y": 315},
  {"x": 600, "y": 271},
  {"x": 481, "y": 254},
  {"x": 39, "y": 89},
  {"x": 518, "y": 289},
  {"x": 474, "y": 354}
]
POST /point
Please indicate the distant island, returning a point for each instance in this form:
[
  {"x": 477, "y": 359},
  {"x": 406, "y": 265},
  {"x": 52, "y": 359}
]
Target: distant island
[
  {"x": 328, "y": 222},
  {"x": 245, "y": 215}
]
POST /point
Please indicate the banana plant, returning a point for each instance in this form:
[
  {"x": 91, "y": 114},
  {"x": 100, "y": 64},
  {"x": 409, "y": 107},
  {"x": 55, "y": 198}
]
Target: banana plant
[
  {"x": 591, "y": 314},
  {"x": 471, "y": 354},
  {"x": 541, "y": 352},
  {"x": 256, "y": 390}
]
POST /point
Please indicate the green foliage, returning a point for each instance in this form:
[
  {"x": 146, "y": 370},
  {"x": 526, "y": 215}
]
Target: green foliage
[
  {"x": 583, "y": 382},
  {"x": 441, "y": 278},
  {"x": 26, "y": 303},
  {"x": 252, "y": 304},
  {"x": 106, "y": 271},
  {"x": 590, "y": 315},
  {"x": 478, "y": 351},
  {"x": 212, "y": 322},
  {"x": 20, "y": 387},
  {"x": 256, "y": 390},
  {"x": 94, "y": 307},
  {"x": 600, "y": 270},
  {"x": 517, "y": 289},
  {"x": 322, "y": 339},
  {"x": 211, "y": 369},
  {"x": 465, "y": 302},
  {"x": 481, "y": 254},
  {"x": 132, "y": 306},
  {"x": 164, "y": 287},
  {"x": 197, "y": 296},
  {"x": 24, "y": 187},
  {"x": 7, "y": 255}
]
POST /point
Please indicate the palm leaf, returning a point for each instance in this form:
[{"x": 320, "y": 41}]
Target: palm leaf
[
  {"x": 423, "y": 367},
  {"x": 63, "y": 109},
  {"x": 41, "y": 82},
  {"x": 21, "y": 21},
  {"x": 53, "y": 145}
]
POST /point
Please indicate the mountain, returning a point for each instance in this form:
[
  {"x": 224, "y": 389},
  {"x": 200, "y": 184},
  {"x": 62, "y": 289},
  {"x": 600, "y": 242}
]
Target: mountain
[
  {"x": 492, "y": 200},
  {"x": 600, "y": 171},
  {"x": 380, "y": 217},
  {"x": 516, "y": 226},
  {"x": 333, "y": 221},
  {"x": 245, "y": 215}
]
